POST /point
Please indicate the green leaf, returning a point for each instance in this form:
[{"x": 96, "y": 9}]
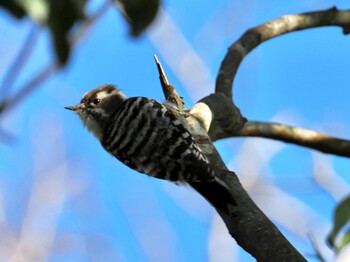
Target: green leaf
[
  {"x": 345, "y": 241},
  {"x": 341, "y": 218},
  {"x": 139, "y": 13}
]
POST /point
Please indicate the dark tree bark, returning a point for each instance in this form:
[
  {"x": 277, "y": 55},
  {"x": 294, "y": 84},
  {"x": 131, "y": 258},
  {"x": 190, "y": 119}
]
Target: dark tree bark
[{"x": 217, "y": 115}]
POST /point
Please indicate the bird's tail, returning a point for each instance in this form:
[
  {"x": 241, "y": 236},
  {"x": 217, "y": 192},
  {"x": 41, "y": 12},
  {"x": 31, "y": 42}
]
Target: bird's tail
[{"x": 217, "y": 194}]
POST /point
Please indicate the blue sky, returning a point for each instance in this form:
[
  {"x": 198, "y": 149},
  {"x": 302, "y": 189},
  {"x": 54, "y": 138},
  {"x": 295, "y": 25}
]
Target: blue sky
[{"x": 58, "y": 186}]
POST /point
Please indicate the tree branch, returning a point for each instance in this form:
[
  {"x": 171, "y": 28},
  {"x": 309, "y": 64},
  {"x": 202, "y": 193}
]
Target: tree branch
[
  {"x": 13, "y": 100},
  {"x": 20, "y": 60},
  {"x": 227, "y": 119},
  {"x": 246, "y": 223},
  {"x": 316, "y": 248},
  {"x": 257, "y": 35},
  {"x": 6, "y": 137},
  {"x": 296, "y": 135},
  {"x": 170, "y": 93}
]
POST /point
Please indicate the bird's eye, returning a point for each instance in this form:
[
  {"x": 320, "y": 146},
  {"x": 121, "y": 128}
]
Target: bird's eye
[
  {"x": 95, "y": 101},
  {"x": 82, "y": 101}
]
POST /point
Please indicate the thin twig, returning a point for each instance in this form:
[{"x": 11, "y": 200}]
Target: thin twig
[
  {"x": 169, "y": 91},
  {"x": 50, "y": 69},
  {"x": 30, "y": 86},
  {"x": 19, "y": 61},
  {"x": 296, "y": 135},
  {"x": 88, "y": 23},
  {"x": 6, "y": 137},
  {"x": 257, "y": 35},
  {"x": 316, "y": 248}
]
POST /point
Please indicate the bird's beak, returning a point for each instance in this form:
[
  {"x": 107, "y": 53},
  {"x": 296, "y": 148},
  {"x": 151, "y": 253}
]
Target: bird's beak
[{"x": 74, "y": 108}]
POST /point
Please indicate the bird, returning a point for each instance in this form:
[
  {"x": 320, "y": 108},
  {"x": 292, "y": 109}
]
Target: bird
[{"x": 148, "y": 137}]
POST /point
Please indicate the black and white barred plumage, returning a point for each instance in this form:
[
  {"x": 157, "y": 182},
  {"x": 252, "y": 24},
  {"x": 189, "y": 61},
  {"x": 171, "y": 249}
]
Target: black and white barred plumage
[
  {"x": 154, "y": 142},
  {"x": 144, "y": 135},
  {"x": 148, "y": 137}
]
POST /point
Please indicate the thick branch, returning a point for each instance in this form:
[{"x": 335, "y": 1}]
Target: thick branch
[
  {"x": 255, "y": 36},
  {"x": 246, "y": 223},
  {"x": 249, "y": 226},
  {"x": 226, "y": 117},
  {"x": 296, "y": 135}
]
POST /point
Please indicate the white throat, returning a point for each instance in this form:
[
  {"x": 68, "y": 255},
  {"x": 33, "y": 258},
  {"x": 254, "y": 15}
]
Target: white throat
[{"x": 92, "y": 125}]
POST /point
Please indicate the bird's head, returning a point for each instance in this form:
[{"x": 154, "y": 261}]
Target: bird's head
[{"x": 96, "y": 107}]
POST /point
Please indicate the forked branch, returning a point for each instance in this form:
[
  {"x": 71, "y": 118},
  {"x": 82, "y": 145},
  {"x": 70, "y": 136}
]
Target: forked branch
[
  {"x": 246, "y": 223},
  {"x": 230, "y": 125},
  {"x": 228, "y": 122},
  {"x": 259, "y": 34}
]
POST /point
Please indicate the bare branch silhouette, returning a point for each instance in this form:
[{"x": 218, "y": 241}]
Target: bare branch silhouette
[
  {"x": 227, "y": 121},
  {"x": 259, "y": 34},
  {"x": 20, "y": 60},
  {"x": 296, "y": 135},
  {"x": 316, "y": 248}
]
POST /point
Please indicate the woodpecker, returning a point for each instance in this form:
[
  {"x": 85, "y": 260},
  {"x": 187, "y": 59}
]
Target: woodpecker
[{"x": 146, "y": 136}]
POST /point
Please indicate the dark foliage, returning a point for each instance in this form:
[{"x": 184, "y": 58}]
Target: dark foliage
[
  {"x": 64, "y": 15},
  {"x": 139, "y": 13},
  {"x": 14, "y": 8}
]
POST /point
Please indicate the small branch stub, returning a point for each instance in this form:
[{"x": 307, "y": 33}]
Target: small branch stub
[{"x": 170, "y": 93}]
